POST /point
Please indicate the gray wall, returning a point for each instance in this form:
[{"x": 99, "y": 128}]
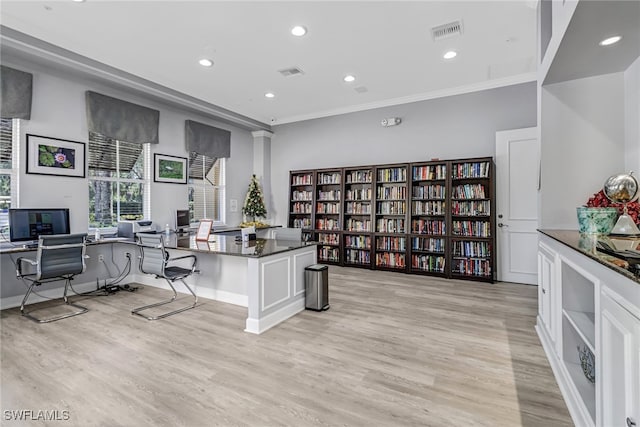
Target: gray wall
[
  {"x": 632, "y": 118},
  {"x": 59, "y": 111},
  {"x": 453, "y": 127}
]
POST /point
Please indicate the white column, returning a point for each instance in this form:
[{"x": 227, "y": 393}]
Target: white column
[{"x": 262, "y": 165}]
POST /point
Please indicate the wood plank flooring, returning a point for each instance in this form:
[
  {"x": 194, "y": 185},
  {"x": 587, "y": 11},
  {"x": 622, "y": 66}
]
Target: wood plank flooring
[{"x": 393, "y": 350}]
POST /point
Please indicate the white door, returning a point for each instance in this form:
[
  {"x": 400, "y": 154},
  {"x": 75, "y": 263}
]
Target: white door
[{"x": 517, "y": 153}]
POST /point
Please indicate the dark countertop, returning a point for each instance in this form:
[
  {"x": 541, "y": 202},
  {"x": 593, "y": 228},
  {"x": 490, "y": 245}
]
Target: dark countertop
[
  {"x": 227, "y": 245},
  {"x": 586, "y": 244}
]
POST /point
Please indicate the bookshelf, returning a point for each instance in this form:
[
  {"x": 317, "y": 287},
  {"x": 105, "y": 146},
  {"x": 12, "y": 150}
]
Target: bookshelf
[
  {"x": 428, "y": 232},
  {"x": 432, "y": 218},
  {"x": 328, "y": 217},
  {"x": 358, "y": 224},
  {"x": 301, "y": 202},
  {"x": 391, "y": 217}
]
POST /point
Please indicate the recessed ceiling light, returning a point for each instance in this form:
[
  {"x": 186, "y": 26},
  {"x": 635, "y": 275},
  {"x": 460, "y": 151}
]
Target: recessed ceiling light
[
  {"x": 206, "y": 62},
  {"x": 78, "y": 1},
  {"x": 349, "y": 78},
  {"x": 269, "y": 95},
  {"x": 450, "y": 55},
  {"x": 609, "y": 41},
  {"x": 298, "y": 30}
]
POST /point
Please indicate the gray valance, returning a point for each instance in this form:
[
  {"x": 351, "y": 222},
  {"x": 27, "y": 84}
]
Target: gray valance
[
  {"x": 207, "y": 140},
  {"x": 17, "y": 88},
  {"x": 121, "y": 120}
]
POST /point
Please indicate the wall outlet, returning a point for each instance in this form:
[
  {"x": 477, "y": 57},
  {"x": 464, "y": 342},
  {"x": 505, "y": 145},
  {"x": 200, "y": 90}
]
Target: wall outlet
[
  {"x": 233, "y": 205},
  {"x": 100, "y": 258}
]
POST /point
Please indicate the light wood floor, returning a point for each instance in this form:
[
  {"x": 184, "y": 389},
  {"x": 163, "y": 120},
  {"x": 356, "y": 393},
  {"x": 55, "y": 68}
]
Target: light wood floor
[{"x": 393, "y": 350}]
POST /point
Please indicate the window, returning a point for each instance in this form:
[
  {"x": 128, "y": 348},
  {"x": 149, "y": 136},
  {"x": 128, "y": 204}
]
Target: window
[
  {"x": 8, "y": 169},
  {"x": 119, "y": 179},
  {"x": 206, "y": 188}
]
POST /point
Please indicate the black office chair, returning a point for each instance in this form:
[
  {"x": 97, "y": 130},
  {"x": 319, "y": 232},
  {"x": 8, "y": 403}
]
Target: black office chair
[
  {"x": 59, "y": 257},
  {"x": 154, "y": 259}
]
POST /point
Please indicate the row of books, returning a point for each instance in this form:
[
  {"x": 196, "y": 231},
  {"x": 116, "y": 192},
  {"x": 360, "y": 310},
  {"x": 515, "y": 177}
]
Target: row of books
[
  {"x": 391, "y": 193},
  {"x": 358, "y": 194},
  {"x": 471, "y": 267},
  {"x": 355, "y": 256},
  {"x": 469, "y": 191},
  {"x": 471, "y": 208},
  {"x": 329, "y": 238},
  {"x": 302, "y": 195},
  {"x": 358, "y": 208},
  {"x": 327, "y": 224},
  {"x": 390, "y": 260},
  {"x": 362, "y": 176},
  {"x": 328, "y": 253},
  {"x": 299, "y": 207},
  {"x": 433, "y": 191},
  {"x": 331, "y": 208},
  {"x": 429, "y": 172},
  {"x": 391, "y": 243},
  {"x": 302, "y": 179},
  {"x": 471, "y": 228},
  {"x": 388, "y": 225},
  {"x": 428, "y": 244},
  {"x": 358, "y": 224},
  {"x": 471, "y": 249},
  {"x": 391, "y": 208},
  {"x": 428, "y": 226},
  {"x": 437, "y": 207},
  {"x": 392, "y": 175},
  {"x": 329, "y": 195},
  {"x": 359, "y": 242},
  {"x": 329, "y": 178},
  {"x": 471, "y": 170},
  {"x": 301, "y": 223},
  {"x": 430, "y": 263}
]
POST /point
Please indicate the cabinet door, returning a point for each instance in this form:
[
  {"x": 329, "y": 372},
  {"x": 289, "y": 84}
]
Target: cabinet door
[
  {"x": 620, "y": 365},
  {"x": 546, "y": 274}
]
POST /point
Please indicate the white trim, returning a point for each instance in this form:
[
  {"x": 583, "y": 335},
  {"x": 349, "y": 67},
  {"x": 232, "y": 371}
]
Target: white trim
[
  {"x": 262, "y": 134},
  {"x": 262, "y": 280},
  {"x": 474, "y": 87},
  {"x": 258, "y": 326}
]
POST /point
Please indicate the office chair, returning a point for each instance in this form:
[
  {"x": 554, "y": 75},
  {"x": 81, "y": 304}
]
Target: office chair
[
  {"x": 59, "y": 257},
  {"x": 154, "y": 259},
  {"x": 287, "y": 234}
]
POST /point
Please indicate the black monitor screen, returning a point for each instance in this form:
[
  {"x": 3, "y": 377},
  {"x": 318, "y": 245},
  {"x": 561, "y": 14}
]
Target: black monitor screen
[
  {"x": 29, "y": 224},
  {"x": 182, "y": 219}
]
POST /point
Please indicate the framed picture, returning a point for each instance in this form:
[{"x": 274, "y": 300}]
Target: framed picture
[
  {"x": 169, "y": 169},
  {"x": 204, "y": 228},
  {"x": 54, "y": 156}
]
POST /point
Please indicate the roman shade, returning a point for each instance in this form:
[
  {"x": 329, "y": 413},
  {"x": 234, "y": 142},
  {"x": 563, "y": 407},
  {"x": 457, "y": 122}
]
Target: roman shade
[
  {"x": 17, "y": 89},
  {"x": 121, "y": 120},
  {"x": 207, "y": 140}
]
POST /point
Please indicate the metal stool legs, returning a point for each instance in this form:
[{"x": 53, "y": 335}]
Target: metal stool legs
[
  {"x": 137, "y": 311},
  {"x": 54, "y": 318}
]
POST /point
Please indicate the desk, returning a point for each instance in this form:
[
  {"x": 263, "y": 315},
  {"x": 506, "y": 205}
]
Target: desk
[{"x": 266, "y": 276}]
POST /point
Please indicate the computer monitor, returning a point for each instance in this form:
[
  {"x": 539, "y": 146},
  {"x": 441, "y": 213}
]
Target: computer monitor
[
  {"x": 29, "y": 224},
  {"x": 182, "y": 220}
]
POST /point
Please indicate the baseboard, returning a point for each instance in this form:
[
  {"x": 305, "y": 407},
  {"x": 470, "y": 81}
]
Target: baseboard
[
  {"x": 258, "y": 326},
  {"x": 579, "y": 413},
  {"x": 214, "y": 294}
]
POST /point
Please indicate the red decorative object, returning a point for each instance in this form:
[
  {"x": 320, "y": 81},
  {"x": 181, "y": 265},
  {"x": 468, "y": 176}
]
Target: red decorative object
[{"x": 599, "y": 200}]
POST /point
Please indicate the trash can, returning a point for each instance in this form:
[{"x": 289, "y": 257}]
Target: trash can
[{"x": 316, "y": 278}]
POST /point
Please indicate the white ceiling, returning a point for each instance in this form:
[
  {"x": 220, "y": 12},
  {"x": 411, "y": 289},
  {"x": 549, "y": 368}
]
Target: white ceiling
[{"x": 386, "y": 45}]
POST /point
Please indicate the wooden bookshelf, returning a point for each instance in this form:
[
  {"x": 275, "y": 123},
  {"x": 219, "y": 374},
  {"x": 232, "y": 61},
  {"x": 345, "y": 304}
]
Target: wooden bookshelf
[{"x": 431, "y": 218}]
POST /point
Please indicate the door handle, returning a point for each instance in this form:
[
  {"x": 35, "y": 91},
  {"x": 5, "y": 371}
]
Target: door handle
[
  {"x": 630, "y": 422},
  {"x": 502, "y": 225}
]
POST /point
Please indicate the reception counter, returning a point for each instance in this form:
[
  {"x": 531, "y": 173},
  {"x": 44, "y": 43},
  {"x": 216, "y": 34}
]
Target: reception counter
[{"x": 265, "y": 275}]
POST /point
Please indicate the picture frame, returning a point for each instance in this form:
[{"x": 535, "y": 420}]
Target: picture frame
[
  {"x": 55, "y": 156},
  {"x": 204, "y": 229},
  {"x": 169, "y": 169}
]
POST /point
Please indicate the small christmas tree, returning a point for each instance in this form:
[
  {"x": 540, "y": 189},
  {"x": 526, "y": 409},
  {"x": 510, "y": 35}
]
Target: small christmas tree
[{"x": 254, "y": 202}]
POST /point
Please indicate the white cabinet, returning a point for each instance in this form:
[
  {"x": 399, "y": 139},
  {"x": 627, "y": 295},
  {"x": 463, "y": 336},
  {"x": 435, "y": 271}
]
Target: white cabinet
[
  {"x": 546, "y": 287},
  {"x": 619, "y": 364}
]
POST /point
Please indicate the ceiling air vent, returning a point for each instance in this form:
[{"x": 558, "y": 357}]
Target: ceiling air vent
[
  {"x": 292, "y": 71},
  {"x": 361, "y": 89},
  {"x": 445, "y": 31}
]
